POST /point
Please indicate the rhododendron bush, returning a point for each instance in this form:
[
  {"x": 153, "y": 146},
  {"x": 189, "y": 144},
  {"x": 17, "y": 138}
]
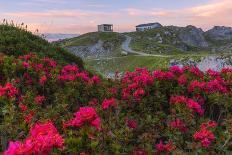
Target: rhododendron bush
[{"x": 46, "y": 108}]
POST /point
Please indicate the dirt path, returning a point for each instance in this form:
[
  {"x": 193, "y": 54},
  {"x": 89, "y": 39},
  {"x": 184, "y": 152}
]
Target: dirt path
[{"x": 126, "y": 47}]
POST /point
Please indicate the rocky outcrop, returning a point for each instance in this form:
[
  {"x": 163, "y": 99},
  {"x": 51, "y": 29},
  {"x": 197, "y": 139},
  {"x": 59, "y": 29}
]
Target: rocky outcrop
[
  {"x": 205, "y": 63},
  {"x": 193, "y": 36},
  {"x": 220, "y": 33},
  {"x": 100, "y": 49}
]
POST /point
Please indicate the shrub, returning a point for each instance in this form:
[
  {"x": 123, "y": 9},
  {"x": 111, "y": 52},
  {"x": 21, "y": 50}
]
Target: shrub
[{"x": 177, "y": 110}]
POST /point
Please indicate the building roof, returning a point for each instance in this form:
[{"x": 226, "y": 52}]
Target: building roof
[
  {"x": 148, "y": 24},
  {"x": 107, "y": 24}
]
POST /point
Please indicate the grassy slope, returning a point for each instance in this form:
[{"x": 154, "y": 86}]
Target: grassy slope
[
  {"x": 129, "y": 63},
  {"x": 91, "y": 38},
  {"x": 111, "y": 42},
  {"x": 147, "y": 41},
  {"x": 17, "y": 41}
]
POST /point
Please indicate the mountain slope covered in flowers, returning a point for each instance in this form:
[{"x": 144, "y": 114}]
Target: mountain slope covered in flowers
[{"x": 46, "y": 108}]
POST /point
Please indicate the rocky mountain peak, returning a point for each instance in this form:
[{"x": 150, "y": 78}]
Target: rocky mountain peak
[
  {"x": 220, "y": 33},
  {"x": 193, "y": 36}
]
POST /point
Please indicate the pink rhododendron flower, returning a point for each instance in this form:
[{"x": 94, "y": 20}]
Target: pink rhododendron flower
[
  {"x": 161, "y": 75},
  {"x": 96, "y": 79},
  {"x": 2, "y": 91},
  {"x": 178, "y": 124},
  {"x": 42, "y": 139},
  {"x": 28, "y": 117},
  {"x": 42, "y": 80},
  {"x": 9, "y": 90},
  {"x": 165, "y": 148},
  {"x": 23, "y": 107},
  {"x": 109, "y": 103},
  {"x": 133, "y": 124},
  {"x": 182, "y": 80},
  {"x": 226, "y": 70},
  {"x": 13, "y": 148},
  {"x": 39, "y": 99},
  {"x": 196, "y": 85},
  {"x": 196, "y": 71},
  {"x": 204, "y": 135},
  {"x": 25, "y": 64},
  {"x": 85, "y": 115},
  {"x": 213, "y": 73},
  {"x": 138, "y": 94},
  {"x": 216, "y": 86},
  {"x": 191, "y": 104},
  {"x": 93, "y": 102},
  {"x": 176, "y": 70},
  {"x": 139, "y": 151}
]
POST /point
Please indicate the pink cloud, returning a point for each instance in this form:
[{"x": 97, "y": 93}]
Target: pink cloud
[{"x": 218, "y": 12}]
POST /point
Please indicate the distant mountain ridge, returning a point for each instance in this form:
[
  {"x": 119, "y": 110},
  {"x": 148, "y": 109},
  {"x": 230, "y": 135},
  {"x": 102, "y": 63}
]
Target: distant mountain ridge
[
  {"x": 57, "y": 36},
  {"x": 161, "y": 40}
]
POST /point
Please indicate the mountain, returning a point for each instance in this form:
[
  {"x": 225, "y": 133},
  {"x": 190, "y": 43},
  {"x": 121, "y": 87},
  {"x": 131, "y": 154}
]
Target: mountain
[
  {"x": 57, "y": 36},
  {"x": 161, "y": 40}
]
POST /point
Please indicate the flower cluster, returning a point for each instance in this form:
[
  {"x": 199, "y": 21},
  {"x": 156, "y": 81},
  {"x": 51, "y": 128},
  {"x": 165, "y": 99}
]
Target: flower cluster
[
  {"x": 191, "y": 104},
  {"x": 85, "y": 115},
  {"x": 39, "y": 99},
  {"x": 109, "y": 103},
  {"x": 165, "y": 148},
  {"x": 135, "y": 84},
  {"x": 131, "y": 123},
  {"x": 204, "y": 135},
  {"x": 178, "y": 124},
  {"x": 9, "y": 90},
  {"x": 42, "y": 139}
]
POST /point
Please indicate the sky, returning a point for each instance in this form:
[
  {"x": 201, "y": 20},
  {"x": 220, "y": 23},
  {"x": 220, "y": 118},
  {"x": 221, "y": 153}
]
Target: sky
[{"x": 81, "y": 16}]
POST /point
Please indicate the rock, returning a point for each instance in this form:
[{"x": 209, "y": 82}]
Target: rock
[
  {"x": 219, "y": 33},
  {"x": 193, "y": 36}
]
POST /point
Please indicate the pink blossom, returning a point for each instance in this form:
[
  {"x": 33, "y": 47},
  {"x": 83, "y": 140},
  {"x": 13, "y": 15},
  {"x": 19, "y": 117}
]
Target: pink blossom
[
  {"x": 13, "y": 148},
  {"x": 2, "y": 91},
  {"x": 42, "y": 139},
  {"x": 216, "y": 86},
  {"x": 23, "y": 107},
  {"x": 213, "y": 73},
  {"x": 9, "y": 90},
  {"x": 42, "y": 80},
  {"x": 94, "y": 101},
  {"x": 178, "y": 124},
  {"x": 196, "y": 71},
  {"x": 39, "y": 99},
  {"x": 85, "y": 115},
  {"x": 196, "y": 85},
  {"x": 204, "y": 135},
  {"x": 165, "y": 148},
  {"x": 176, "y": 70},
  {"x": 109, "y": 103},
  {"x": 133, "y": 124},
  {"x": 139, "y": 93},
  {"x": 25, "y": 64},
  {"x": 96, "y": 79},
  {"x": 191, "y": 104},
  {"x": 139, "y": 151},
  {"x": 182, "y": 80}
]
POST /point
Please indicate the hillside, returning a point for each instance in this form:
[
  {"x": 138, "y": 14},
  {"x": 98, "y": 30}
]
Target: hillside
[
  {"x": 173, "y": 39},
  {"x": 94, "y": 45},
  {"x": 166, "y": 40},
  {"x": 17, "y": 41}
]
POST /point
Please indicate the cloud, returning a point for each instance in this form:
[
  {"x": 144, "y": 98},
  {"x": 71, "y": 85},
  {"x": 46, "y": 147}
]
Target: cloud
[
  {"x": 97, "y": 5},
  {"x": 218, "y": 12},
  {"x": 41, "y": 2}
]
